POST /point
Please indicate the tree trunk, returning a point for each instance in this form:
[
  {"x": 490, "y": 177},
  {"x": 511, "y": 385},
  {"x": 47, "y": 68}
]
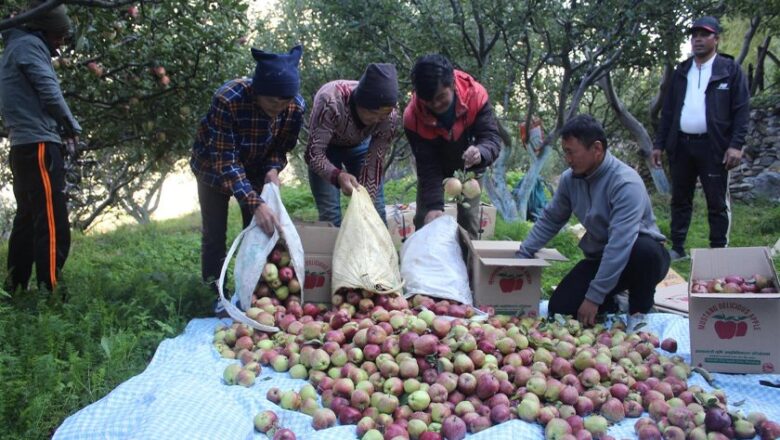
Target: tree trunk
[
  {"x": 494, "y": 183},
  {"x": 522, "y": 191},
  {"x": 758, "y": 79},
  {"x": 637, "y": 130},
  {"x": 754, "y": 22},
  {"x": 658, "y": 101}
]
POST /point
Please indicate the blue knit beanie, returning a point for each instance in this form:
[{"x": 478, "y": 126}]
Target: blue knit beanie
[{"x": 277, "y": 74}]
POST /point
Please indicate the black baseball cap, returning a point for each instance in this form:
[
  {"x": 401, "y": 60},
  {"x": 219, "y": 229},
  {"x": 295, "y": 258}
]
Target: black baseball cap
[{"x": 709, "y": 24}]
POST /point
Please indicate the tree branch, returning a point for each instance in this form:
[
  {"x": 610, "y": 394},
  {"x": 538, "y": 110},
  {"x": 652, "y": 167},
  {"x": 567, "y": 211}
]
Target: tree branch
[
  {"x": 754, "y": 22},
  {"x": 462, "y": 22},
  {"x": 589, "y": 79},
  {"x": 106, "y": 4},
  {"x": 758, "y": 77},
  {"x": 637, "y": 130}
]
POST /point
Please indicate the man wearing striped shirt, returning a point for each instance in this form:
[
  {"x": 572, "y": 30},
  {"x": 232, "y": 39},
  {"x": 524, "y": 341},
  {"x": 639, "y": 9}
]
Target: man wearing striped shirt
[
  {"x": 242, "y": 144},
  {"x": 351, "y": 128}
]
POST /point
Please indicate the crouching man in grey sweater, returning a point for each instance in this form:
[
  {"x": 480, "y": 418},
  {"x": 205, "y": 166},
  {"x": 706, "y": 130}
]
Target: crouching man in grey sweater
[{"x": 623, "y": 247}]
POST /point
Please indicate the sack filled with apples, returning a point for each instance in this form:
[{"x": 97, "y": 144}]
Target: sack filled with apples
[
  {"x": 435, "y": 273},
  {"x": 266, "y": 269}
]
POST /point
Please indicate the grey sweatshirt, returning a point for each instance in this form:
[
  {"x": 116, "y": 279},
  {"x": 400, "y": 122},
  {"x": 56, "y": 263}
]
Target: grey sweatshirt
[
  {"x": 613, "y": 205},
  {"x": 31, "y": 102}
]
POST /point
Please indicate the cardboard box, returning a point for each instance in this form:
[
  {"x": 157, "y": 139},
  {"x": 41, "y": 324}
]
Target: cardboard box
[
  {"x": 672, "y": 299},
  {"x": 671, "y": 294},
  {"x": 400, "y": 222},
  {"x": 319, "y": 239},
  {"x": 500, "y": 280},
  {"x": 451, "y": 209},
  {"x": 734, "y": 333},
  {"x": 487, "y": 218},
  {"x": 487, "y": 221}
]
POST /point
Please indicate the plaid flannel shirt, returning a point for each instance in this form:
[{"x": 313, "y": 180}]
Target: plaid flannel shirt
[{"x": 237, "y": 144}]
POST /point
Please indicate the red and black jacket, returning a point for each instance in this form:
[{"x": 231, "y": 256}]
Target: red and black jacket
[{"x": 438, "y": 152}]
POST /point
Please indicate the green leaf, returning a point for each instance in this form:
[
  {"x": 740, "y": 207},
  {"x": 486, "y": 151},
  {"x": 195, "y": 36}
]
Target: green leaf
[{"x": 106, "y": 345}]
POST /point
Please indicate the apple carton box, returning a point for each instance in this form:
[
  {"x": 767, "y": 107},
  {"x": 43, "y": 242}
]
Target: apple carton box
[
  {"x": 500, "y": 280},
  {"x": 487, "y": 221},
  {"x": 319, "y": 239},
  {"x": 734, "y": 332},
  {"x": 487, "y": 218},
  {"x": 400, "y": 220}
]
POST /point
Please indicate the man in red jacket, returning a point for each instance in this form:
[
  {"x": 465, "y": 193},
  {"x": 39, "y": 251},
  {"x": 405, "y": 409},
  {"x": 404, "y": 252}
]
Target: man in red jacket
[{"x": 450, "y": 126}]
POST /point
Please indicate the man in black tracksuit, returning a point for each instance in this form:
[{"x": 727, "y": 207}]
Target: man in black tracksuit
[
  {"x": 40, "y": 126},
  {"x": 703, "y": 125}
]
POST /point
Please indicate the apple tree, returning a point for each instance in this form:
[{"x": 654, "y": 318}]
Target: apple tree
[
  {"x": 545, "y": 59},
  {"x": 138, "y": 76}
]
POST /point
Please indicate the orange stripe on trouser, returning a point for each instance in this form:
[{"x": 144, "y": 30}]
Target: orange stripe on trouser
[{"x": 49, "y": 213}]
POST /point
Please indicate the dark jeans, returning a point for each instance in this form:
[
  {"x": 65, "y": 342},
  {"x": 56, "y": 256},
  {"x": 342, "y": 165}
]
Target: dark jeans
[
  {"x": 214, "y": 217},
  {"x": 647, "y": 266},
  {"x": 41, "y": 230},
  {"x": 328, "y": 197},
  {"x": 694, "y": 158}
]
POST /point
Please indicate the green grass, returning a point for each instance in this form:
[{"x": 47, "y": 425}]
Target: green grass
[
  {"x": 754, "y": 224},
  {"x": 133, "y": 287}
]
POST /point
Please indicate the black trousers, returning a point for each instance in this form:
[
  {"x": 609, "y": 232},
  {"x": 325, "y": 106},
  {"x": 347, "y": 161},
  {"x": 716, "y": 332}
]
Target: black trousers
[
  {"x": 214, "y": 217},
  {"x": 647, "y": 266},
  {"x": 692, "y": 159},
  {"x": 41, "y": 230}
]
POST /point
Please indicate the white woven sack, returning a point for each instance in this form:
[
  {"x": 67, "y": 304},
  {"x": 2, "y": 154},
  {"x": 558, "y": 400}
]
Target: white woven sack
[
  {"x": 432, "y": 262},
  {"x": 255, "y": 246}
]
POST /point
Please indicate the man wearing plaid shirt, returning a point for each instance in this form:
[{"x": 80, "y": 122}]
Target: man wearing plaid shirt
[{"x": 241, "y": 144}]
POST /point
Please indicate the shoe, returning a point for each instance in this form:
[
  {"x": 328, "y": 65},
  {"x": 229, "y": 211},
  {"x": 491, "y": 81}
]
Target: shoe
[
  {"x": 677, "y": 255},
  {"x": 636, "y": 322},
  {"x": 219, "y": 309}
]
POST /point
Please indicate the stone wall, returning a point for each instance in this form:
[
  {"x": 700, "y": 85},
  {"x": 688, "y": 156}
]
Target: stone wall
[{"x": 759, "y": 175}]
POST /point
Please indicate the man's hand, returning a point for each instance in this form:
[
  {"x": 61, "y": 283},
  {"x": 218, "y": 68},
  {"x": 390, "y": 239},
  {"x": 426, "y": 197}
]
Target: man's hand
[
  {"x": 266, "y": 219},
  {"x": 732, "y": 158},
  {"x": 71, "y": 145},
  {"x": 432, "y": 215},
  {"x": 471, "y": 157},
  {"x": 656, "y": 158},
  {"x": 586, "y": 314},
  {"x": 347, "y": 183},
  {"x": 272, "y": 176}
]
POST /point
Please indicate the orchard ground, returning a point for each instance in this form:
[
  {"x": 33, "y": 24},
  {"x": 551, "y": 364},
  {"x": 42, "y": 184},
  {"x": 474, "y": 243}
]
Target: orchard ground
[{"x": 132, "y": 286}]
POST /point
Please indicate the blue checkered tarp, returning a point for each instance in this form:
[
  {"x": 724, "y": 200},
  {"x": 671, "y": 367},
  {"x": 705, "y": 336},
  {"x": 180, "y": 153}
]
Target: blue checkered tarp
[{"x": 181, "y": 395}]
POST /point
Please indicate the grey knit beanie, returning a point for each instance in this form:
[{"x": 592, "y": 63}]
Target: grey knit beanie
[{"x": 55, "y": 21}]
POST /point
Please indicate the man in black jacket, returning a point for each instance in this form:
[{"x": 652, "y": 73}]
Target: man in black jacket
[{"x": 703, "y": 125}]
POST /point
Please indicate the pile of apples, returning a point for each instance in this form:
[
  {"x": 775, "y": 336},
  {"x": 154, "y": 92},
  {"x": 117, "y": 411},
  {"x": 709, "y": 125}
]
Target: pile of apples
[
  {"x": 396, "y": 370},
  {"x": 735, "y": 284},
  {"x": 278, "y": 277}
]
